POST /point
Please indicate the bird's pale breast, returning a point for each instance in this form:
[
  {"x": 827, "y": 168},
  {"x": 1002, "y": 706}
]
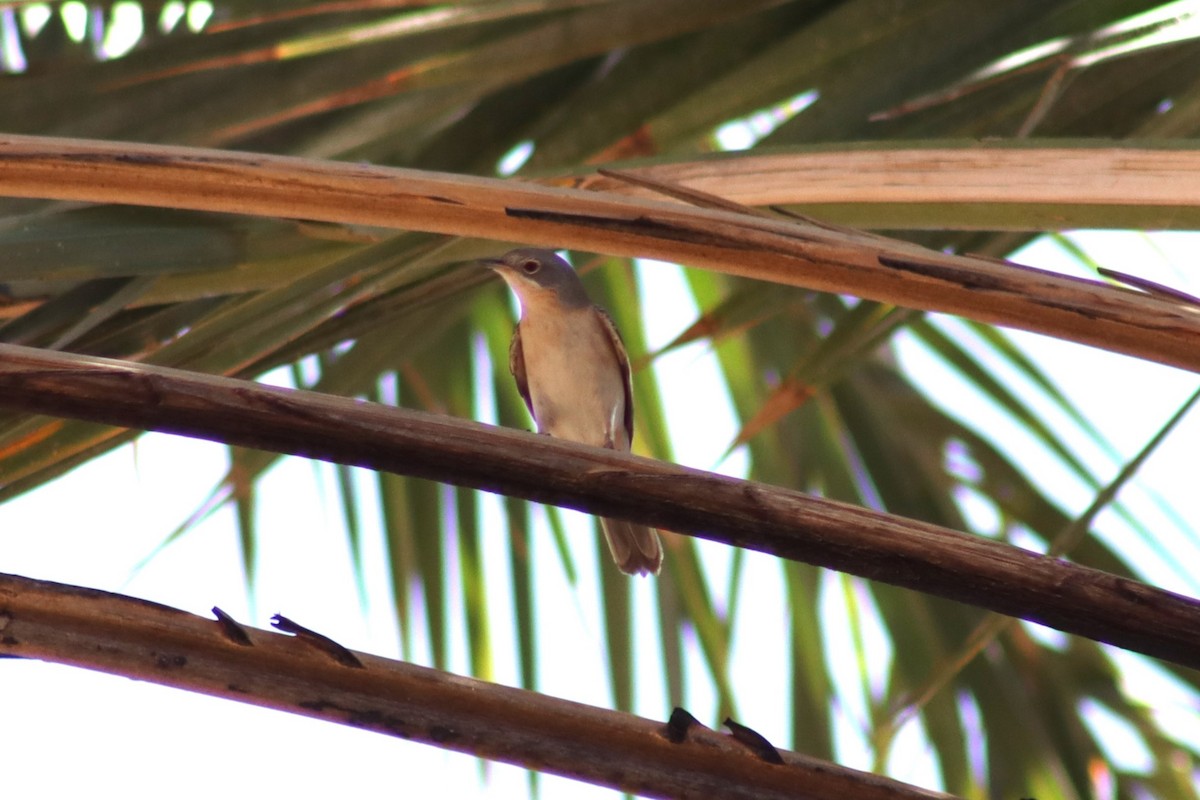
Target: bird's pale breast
[{"x": 575, "y": 383}]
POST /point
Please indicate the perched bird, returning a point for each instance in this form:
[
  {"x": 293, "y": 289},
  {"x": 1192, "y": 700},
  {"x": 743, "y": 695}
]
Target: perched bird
[{"x": 571, "y": 368}]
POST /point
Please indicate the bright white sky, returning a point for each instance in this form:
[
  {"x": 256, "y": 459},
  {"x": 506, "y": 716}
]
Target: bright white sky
[{"x": 137, "y": 738}]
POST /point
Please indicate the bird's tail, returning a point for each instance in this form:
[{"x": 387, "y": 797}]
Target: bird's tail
[{"x": 636, "y": 548}]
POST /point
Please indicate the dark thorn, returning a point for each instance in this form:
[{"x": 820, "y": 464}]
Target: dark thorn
[
  {"x": 323, "y": 643},
  {"x": 754, "y": 741},
  {"x": 679, "y": 724},
  {"x": 232, "y": 629}
]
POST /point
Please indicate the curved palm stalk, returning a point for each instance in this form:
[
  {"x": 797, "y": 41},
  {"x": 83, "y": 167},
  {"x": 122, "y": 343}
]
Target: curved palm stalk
[
  {"x": 778, "y": 521},
  {"x": 781, "y": 251},
  {"x": 308, "y": 674}
]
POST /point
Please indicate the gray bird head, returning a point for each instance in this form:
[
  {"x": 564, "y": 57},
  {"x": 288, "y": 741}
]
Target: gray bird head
[{"x": 538, "y": 277}]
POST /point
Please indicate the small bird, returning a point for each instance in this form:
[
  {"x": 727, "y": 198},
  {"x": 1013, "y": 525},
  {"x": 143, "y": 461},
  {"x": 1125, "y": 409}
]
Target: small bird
[{"x": 571, "y": 368}]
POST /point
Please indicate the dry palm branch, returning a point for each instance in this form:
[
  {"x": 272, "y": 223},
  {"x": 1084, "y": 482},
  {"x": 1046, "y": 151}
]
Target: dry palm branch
[
  {"x": 311, "y": 675},
  {"x": 787, "y": 251}
]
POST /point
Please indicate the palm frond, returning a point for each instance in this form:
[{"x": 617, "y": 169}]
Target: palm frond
[{"x": 900, "y": 152}]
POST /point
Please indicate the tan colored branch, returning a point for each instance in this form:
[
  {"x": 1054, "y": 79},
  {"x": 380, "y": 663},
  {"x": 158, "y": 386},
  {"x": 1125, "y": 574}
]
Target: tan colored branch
[
  {"x": 783, "y": 251},
  {"x": 781, "y": 522},
  {"x": 1070, "y": 173},
  {"x": 150, "y": 642}
]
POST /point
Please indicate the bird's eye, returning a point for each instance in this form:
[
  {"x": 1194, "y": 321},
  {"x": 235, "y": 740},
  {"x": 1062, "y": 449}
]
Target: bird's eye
[{"x": 530, "y": 266}]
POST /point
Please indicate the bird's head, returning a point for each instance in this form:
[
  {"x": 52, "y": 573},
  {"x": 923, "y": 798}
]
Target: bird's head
[{"x": 539, "y": 276}]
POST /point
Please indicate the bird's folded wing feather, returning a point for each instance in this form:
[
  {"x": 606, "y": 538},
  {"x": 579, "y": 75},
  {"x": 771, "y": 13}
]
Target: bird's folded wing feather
[
  {"x": 516, "y": 365},
  {"x": 618, "y": 347}
]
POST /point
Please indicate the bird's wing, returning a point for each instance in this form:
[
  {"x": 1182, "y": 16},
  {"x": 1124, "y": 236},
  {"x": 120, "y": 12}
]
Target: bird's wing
[
  {"x": 516, "y": 365},
  {"x": 618, "y": 347}
]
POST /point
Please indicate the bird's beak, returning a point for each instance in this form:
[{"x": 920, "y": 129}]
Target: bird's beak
[{"x": 492, "y": 263}]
